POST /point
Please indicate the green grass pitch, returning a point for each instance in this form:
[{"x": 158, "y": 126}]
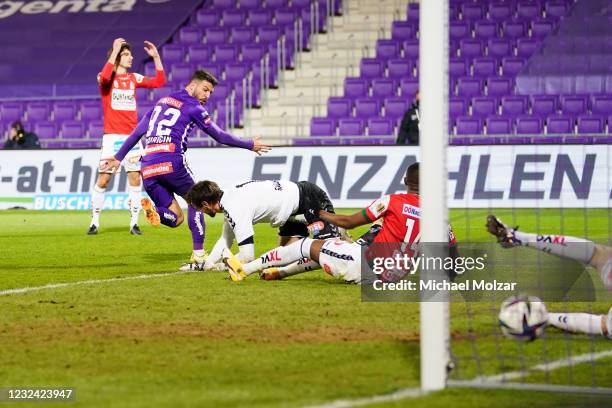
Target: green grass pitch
[{"x": 200, "y": 340}]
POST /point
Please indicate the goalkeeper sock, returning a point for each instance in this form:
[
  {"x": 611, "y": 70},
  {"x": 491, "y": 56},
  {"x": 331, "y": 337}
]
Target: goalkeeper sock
[
  {"x": 195, "y": 220},
  {"x": 280, "y": 256},
  {"x": 576, "y": 322},
  {"x": 134, "y": 194},
  {"x": 301, "y": 266},
  {"x": 578, "y": 249},
  {"x": 97, "y": 202},
  {"x": 166, "y": 217}
]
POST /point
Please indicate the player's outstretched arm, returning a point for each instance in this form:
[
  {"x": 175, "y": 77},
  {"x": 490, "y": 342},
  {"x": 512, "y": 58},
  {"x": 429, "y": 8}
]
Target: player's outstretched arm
[
  {"x": 107, "y": 71},
  {"x": 152, "y": 51},
  {"x": 260, "y": 147},
  {"x": 345, "y": 221}
]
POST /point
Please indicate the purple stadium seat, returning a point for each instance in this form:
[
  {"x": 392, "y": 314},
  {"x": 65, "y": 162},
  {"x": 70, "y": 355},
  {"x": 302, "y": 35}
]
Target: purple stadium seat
[
  {"x": 268, "y": 34},
  {"x": 72, "y": 129},
  {"x": 395, "y": 107},
  {"x": 144, "y": 107},
  {"x": 37, "y": 111},
  {"x": 499, "y": 86},
  {"x": 236, "y": 72},
  {"x": 248, "y": 4},
  {"x": 380, "y": 127},
  {"x": 233, "y": 18},
  {"x": 541, "y": 28},
  {"x": 602, "y": 105},
  {"x": 485, "y": 29},
  {"x": 411, "y": 49},
  {"x": 573, "y": 105},
  {"x": 11, "y": 111},
  {"x": 590, "y": 125},
  {"x": 387, "y": 49},
  {"x": 512, "y": 65},
  {"x": 173, "y": 53},
  {"x": 226, "y": 53},
  {"x": 467, "y": 86},
  {"x": 243, "y": 35},
  {"x": 339, "y": 107},
  {"x": 355, "y": 88},
  {"x": 409, "y": 87},
  {"x": 483, "y": 106},
  {"x": 190, "y": 35},
  {"x": 514, "y": 29},
  {"x": 351, "y": 127},
  {"x": 383, "y": 88},
  {"x": 222, "y": 91},
  {"x": 499, "y": 47},
  {"x": 371, "y": 68},
  {"x": 470, "y": 11},
  {"x": 559, "y": 125},
  {"x": 526, "y": 47},
  {"x": 45, "y": 129},
  {"x": 91, "y": 110},
  {"x": 556, "y": 8},
  {"x": 499, "y": 11},
  {"x": 252, "y": 52},
  {"x": 471, "y": 48},
  {"x": 322, "y": 127},
  {"x": 367, "y": 108},
  {"x": 95, "y": 129},
  {"x": 403, "y": 30},
  {"x": 528, "y": 10},
  {"x": 252, "y": 98},
  {"x": 200, "y": 53},
  {"x": 459, "y": 30},
  {"x": 399, "y": 68},
  {"x": 284, "y": 16},
  {"x": 514, "y": 105},
  {"x": 223, "y": 4},
  {"x": 458, "y": 67},
  {"x": 216, "y": 35},
  {"x": 528, "y": 125},
  {"x": 181, "y": 71},
  {"x": 207, "y": 18},
  {"x": 499, "y": 125},
  {"x": 468, "y": 126},
  {"x": 258, "y": 18},
  {"x": 457, "y": 107},
  {"x": 64, "y": 111},
  {"x": 412, "y": 11},
  {"x": 544, "y": 104},
  {"x": 485, "y": 67},
  {"x": 274, "y": 4}
]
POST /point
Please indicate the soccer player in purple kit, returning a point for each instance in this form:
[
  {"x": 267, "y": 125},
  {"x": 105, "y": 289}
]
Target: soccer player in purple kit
[{"x": 164, "y": 168}]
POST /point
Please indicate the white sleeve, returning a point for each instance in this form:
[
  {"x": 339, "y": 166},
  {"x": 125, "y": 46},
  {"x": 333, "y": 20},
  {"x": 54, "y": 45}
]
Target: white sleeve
[
  {"x": 225, "y": 241},
  {"x": 241, "y": 222}
]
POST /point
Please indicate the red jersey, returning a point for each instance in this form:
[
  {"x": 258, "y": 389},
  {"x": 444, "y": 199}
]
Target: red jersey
[
  {"x": 118, "y": 93},
  {"x": 401, "y": 219}
]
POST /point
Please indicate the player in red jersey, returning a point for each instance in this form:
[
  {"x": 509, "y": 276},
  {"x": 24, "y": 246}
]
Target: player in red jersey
[
  {"x": 118, "y": 90},
  {"x": 401, "y": 224}
]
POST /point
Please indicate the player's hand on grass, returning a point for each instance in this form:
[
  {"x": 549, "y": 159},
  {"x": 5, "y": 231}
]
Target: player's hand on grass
[
  {"x": 110, "y": 163},
  {"x": 260, "y": 147},
  {"x": 151, "y": 49}
]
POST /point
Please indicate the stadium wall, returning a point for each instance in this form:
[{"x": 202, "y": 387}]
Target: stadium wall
[{"x": 549, "y": 176}]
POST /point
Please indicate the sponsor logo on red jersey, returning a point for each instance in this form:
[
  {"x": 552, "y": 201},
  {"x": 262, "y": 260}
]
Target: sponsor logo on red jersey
[
  {"x": 157, "y": 170},
  {"x": 408, "y": 209}
]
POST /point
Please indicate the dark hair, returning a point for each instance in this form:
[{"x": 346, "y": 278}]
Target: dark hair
[
  {"x": 412, "y": 175},
  {"x": 203, "y": 75},
  {"x": 124, "y": 46},
  {"x": 203, "y": 191},
  {"x": 18, "y": 126}
]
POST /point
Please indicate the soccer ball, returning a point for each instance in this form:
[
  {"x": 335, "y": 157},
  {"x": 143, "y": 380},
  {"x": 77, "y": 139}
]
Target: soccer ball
[{"x": 523, "y": 317}]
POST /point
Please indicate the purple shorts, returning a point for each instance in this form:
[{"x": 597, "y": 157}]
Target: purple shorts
[{"x": 164, "y": 179}]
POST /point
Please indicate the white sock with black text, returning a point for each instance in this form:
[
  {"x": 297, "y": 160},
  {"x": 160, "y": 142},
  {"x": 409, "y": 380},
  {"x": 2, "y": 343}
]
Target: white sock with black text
[
  {"x": 280, "y": 256},
  {"x": 97, "y": 202},
  {"x": 578, "y": 249},
  {"x": 576, "y": 322},
  {"x": 135, "y": 193}
]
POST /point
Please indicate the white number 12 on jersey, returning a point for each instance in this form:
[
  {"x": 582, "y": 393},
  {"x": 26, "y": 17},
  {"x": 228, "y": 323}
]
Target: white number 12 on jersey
[{"x": 164, "y": 125}]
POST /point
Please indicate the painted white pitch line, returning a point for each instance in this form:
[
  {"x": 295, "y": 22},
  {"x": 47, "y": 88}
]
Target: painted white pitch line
[
  {"x": 549, "y": 366},
  {"x": 484, "y": 380},
  {"x": 7, "y": 292}
]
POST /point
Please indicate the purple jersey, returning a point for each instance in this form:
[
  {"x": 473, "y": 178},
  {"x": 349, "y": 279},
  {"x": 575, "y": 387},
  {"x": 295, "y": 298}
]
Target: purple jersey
[{"x": 167, "y": 127}]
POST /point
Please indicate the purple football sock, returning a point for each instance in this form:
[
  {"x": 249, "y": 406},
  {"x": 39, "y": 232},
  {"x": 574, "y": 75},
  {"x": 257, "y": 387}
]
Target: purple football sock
[
  {"x": 195, "y": 220},
  {"x": 166, "y": 216}
]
